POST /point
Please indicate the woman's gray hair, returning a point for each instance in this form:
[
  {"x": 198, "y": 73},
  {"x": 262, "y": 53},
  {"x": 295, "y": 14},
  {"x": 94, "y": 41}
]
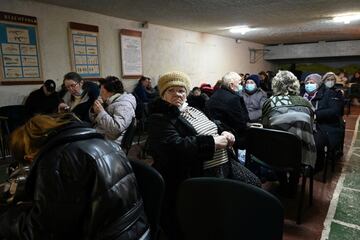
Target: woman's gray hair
[
  {"x": 315, "y": 77},
  {"x": 285, "y": 83}
]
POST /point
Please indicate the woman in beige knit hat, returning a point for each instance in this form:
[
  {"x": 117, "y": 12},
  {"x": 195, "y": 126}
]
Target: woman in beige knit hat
[{"x": 185, "y": 143}]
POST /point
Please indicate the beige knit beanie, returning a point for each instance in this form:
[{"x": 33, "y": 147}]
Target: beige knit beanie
[{"x": 172, "y": 79}]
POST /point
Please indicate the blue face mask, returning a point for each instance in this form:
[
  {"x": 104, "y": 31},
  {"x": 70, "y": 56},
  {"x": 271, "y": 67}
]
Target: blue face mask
[
  {"x": 329, "y": 84},
  {"x": 250, "y": 87},
  {"x": 310, "y": 87},
  {"x": 240, "y": 88}
]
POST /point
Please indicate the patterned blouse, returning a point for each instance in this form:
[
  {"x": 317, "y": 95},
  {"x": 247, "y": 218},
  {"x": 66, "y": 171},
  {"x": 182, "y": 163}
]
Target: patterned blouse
[{"x": 204, "y": 126}]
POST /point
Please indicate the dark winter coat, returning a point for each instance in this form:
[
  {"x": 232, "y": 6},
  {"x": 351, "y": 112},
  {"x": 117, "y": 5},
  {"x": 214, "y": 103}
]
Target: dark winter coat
[
  {"x": 38, "y": 102},
  {"x": 178, "y": 153},
  {"x": 81, "y": 187},
  {"x": 229, "y": 108},
  {"x": 329, "y": 105}
]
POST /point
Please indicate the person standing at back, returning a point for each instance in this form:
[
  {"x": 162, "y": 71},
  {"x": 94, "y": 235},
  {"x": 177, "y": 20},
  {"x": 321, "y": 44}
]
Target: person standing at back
[{"x": 43, "y": 100}]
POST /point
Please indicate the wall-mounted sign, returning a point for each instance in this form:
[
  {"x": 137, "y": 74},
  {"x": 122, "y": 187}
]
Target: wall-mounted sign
[
  {"x": 84, "y": 49},
  {"x": 19, "y": 50},
  {"x": 131, "y": 53}
]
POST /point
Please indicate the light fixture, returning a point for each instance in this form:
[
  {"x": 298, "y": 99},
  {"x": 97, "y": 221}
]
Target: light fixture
[
  {"x": 240, "y": 29},
  {"x": 347, "y": 18}
]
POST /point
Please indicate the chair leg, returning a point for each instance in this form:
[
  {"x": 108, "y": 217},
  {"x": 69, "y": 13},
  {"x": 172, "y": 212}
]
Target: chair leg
[
  {"x": 311, "y": 186},
  {"x": 139, "y": 130},
  {"x": 3, "y": 154},
  {"x": 325, "y": 165},
  {"x": 301, "y": 201},
  {"x": 333, "y": 159}
]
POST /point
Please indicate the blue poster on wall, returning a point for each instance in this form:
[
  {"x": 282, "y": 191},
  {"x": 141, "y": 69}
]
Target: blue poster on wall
[
  {"x": 19, "y": 51},
  {"x": 85, "y": 50}
]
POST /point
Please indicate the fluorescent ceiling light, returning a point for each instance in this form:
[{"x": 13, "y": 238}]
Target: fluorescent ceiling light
[
  {"x": 240, "y": 29},
  {"x": 346, "y": 18}
]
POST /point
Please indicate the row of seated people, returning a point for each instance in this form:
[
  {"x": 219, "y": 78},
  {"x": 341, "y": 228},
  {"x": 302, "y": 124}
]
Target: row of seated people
[
  {"x": 107, "y": 107},
  {"x": 183, "y": 141},
  {"x": 327, "y": 102},
  {"x": 75, "y": 159}
]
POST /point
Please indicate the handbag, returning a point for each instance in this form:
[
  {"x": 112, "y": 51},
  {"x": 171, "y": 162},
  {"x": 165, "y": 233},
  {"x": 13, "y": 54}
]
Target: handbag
[
  {"x": 239, "y": 172},
  {"x": 13, "y": 189}
]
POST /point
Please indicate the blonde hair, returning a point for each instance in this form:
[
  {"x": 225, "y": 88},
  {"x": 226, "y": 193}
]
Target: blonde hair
[
  {"x": 28, "y": 139},
  {"x": 330, "y": 76}
]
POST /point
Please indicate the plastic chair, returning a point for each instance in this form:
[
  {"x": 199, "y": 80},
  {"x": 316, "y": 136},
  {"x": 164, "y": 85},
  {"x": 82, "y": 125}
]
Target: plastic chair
[
  {"x": 151, "y": 185},
  {"x": 280, "y": 151},
  {"x": 128, "y": 137},
  {"x": 214, "y": 208}
]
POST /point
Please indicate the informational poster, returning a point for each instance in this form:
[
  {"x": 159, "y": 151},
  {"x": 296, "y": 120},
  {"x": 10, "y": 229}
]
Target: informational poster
[
  {"x": 84, "y": 46},
  {"x": 19, "y": 50},
  {"x": 131, "y": 53}
]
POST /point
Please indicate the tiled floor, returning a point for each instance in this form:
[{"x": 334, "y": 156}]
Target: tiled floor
[
  {"x": 314, "y": 217},
  {"x": 343, "y": 219}
]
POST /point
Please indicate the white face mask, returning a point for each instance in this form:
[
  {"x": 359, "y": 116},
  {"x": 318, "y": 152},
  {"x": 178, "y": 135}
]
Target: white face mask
[{"x": 329, "y": 84}]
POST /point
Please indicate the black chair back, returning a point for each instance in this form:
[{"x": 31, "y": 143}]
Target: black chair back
[
  {"x": 11, "y": 117},
  {"x": 279, "y": 149},
  {"x": 214, "y": 208},
  {"x": 152, "y": 187},
  {"x": 128, "y": 137},
  {"x": 16, "y": 115}
]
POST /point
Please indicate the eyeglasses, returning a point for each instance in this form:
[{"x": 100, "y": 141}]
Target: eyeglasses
[
  {"x": 71, "y": 86},
  {"x": 172, "y": 90}
]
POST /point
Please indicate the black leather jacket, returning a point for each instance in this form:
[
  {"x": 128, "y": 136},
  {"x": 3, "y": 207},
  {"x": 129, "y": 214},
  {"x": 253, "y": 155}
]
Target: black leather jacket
[{"x": 81, "y": 187}]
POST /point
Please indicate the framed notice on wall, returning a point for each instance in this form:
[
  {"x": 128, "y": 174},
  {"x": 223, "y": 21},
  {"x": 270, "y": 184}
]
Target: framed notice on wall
[
  {"x": 84, "y": 49},
  {"x": 131, "y": 53},
  {"x": 19, "y": 50}
]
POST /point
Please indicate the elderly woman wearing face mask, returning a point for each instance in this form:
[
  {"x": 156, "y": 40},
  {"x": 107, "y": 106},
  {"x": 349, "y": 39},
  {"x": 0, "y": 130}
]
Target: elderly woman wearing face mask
[
  {"x": 328, "y": 106},
  {"x": 185, "y": 143},
  {"x": 334, "y": 126},
  {"x": 254, "y": 97}
]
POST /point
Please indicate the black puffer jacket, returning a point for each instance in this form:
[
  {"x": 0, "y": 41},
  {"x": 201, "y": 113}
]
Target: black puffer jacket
[{"x": 81, "y": 187}]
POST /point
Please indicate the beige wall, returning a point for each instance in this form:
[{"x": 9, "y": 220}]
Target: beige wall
[{"x": 204, "y": 57}]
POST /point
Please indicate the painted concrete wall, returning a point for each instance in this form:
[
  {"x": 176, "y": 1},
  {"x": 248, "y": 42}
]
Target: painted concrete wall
[
  {"x": 314, "y": 50},
  {"x": 204, "y": 57}
]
